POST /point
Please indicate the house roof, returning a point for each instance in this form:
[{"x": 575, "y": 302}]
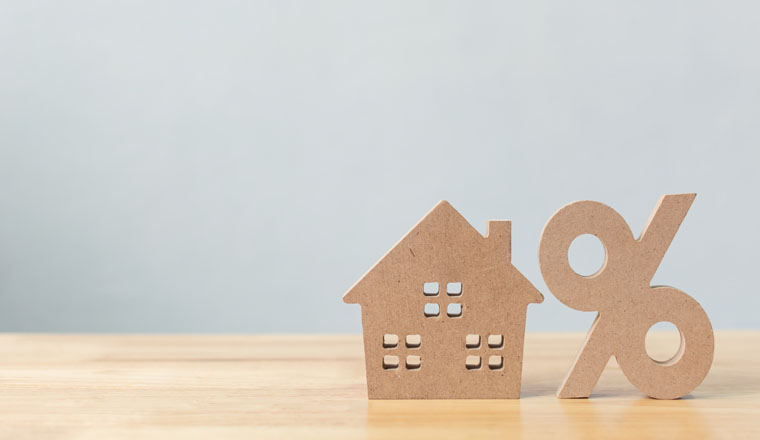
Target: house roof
[{"x": 443, "y": 221}]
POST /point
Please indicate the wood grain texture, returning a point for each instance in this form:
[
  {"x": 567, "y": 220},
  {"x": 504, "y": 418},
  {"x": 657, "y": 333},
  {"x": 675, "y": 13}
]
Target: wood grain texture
[{"x": 312, "y": 386}]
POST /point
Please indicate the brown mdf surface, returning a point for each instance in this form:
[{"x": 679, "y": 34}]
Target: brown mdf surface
[
  {"x": 313, "y": 386},
  {"x": 456, "y": 294},
  {"x": 627, "y": 305}
]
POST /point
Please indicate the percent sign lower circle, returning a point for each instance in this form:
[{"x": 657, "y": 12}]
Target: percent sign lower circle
[{"x": 628, "y": 306}]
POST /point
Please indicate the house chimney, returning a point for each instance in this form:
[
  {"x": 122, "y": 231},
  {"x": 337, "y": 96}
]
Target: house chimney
[{"x": 500, "y": 235}]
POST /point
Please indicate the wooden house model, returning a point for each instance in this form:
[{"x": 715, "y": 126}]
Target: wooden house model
[{"x": 443, "y": 313}]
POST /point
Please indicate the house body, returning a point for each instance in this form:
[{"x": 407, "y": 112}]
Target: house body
[{"x": 443, "y": 313}]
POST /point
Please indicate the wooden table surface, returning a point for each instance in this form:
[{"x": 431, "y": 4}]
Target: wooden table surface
[{"x": 312, "y": 386}]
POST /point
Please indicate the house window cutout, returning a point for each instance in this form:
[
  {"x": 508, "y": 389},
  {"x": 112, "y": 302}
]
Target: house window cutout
[
  {"x": 495, "y": 341},
  {"x": 413, "y": 341},
  {"x": 432, "y": 309},
  {"x": 472, "y": 341},
  {"x": 472, "y": 362},
  {"x": 413, "y": 362},
  {"x": 390, "y": 341},
  {"x": 430, "y": 289},
  {"x": 390, "y": 362},
  {"x": 454, "y": 310},
  {"x": 495, "y": 362},
  {"x": 454, "y": 289}
]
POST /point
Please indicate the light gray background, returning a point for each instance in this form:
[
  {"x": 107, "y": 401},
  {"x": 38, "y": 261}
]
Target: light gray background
[{"x": 214, "y": 166}]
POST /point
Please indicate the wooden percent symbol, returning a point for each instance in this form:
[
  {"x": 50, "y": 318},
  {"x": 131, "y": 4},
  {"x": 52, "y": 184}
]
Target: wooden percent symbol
[{"x": 627, "y": 305}]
